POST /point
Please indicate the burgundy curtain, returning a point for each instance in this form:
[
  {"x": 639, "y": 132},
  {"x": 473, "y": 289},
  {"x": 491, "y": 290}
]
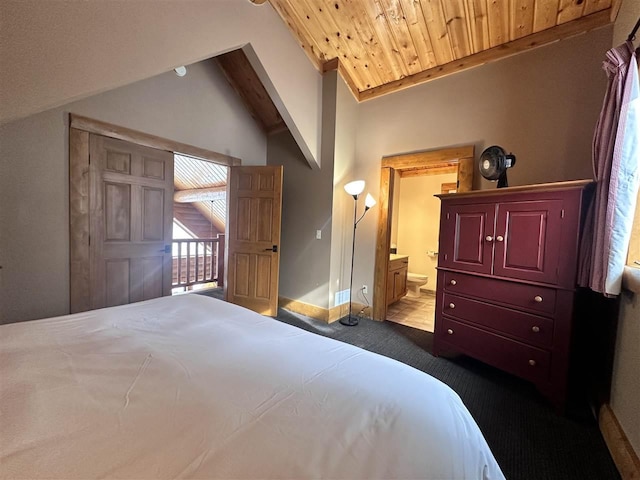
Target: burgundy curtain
[{"x": 616, "y": 163}]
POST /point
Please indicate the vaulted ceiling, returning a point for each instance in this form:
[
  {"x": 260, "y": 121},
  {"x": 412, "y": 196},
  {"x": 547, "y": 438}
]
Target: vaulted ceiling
[{"x": 381, "y": 46}]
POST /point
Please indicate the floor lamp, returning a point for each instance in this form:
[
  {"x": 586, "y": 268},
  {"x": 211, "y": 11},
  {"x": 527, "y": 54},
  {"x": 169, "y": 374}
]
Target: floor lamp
[{"x": 354, "y": 189}]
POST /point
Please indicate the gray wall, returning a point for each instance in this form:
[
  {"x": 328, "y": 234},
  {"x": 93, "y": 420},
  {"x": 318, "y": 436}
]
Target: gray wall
[
  {"x": 55, "y": 52},
  {"x": 344, "y": 152},
  {"x": 306, "y": 207},
  {"x": 199, "y": 109},
  {"x": 542, "y": 105}
]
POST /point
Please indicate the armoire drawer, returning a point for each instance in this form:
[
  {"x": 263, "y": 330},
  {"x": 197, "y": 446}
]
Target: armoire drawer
[
  {"x": 511, "y": 356},
  {"x": 532, "y": 329},
  {"x": 530, "y": 297}
]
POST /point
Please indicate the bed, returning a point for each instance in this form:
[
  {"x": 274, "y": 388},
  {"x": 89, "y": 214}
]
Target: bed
[{"x": 193, "y": 387}]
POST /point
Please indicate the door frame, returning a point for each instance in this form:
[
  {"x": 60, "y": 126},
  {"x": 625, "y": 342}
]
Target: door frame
[
  {"x": 79, "y": 129},
  {"x": 458, "y": 160}
]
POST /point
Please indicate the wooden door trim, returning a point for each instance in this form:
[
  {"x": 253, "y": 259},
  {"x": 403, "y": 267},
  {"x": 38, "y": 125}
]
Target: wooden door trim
[
  {"x": 79, "y": 286},
  {"x": 79, "y": 129},
  {"x": 411, "y": 164},
  {"x": 147, "y": 140}
]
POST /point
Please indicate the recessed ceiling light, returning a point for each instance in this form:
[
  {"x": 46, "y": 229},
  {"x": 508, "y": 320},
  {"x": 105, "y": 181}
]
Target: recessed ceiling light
[{"x": 180, "y": 71}]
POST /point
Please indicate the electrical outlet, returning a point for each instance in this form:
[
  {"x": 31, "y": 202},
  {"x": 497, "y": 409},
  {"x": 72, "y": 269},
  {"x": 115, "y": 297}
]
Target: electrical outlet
[
  {"x": 365, "y": 289},
  {"x": 318, "y": 234}
]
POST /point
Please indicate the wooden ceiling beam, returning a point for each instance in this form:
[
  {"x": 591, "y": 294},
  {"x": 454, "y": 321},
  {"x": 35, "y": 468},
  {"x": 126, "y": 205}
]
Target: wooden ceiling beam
[
  {"x": 207, "y": 194},
  {"x": 566, "y": 30}
]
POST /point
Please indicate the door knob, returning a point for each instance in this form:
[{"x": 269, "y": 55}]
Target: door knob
[
  {"x": 453, "y": 282},
  {"x": 538, "y": 299},
  {"x": 273, "y": 249},
  {"x": 452, "y": 305},
  {"x": 532, "y": 363},
  {"x": 535, "y": 329},
  {"x": 450, "y": 332},
  {"x": 489, "y": 238},
  {"x": 500, "y": 238}
]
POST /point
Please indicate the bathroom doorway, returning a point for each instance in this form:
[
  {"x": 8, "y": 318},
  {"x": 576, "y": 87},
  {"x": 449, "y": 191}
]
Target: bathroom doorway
[
  {"x": 437, "y": 170},
  {"x": 415, "y": 222}
]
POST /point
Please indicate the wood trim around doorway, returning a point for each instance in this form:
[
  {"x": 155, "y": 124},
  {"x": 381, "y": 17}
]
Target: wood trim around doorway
[
  {"x": 79, "y": 129},
  {"x": 456, "y": 159},
  {"x": 147, "y": 140}
]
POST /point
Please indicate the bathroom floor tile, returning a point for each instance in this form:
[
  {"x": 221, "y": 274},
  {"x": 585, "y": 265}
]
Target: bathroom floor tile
[{"x": 415, "y": 312}]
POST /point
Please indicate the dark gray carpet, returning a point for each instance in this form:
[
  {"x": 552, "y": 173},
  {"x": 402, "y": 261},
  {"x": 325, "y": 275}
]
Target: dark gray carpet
[{"x": 529, "y": 440}]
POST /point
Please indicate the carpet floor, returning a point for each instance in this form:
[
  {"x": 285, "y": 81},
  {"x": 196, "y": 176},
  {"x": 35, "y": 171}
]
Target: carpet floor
[{"x": 528, "y": 438}]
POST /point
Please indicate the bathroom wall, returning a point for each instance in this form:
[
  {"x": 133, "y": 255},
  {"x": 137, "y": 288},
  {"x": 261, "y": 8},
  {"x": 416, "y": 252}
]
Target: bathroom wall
[{"x": 419, "y": 221}]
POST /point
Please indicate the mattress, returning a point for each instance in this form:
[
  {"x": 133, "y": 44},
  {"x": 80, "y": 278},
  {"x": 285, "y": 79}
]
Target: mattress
[{"x": 193, "y": 387}]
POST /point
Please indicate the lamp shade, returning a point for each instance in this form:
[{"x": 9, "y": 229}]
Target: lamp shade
[
  {"x": 354, "y": 188},
  {"x": 369, "y": 201}
]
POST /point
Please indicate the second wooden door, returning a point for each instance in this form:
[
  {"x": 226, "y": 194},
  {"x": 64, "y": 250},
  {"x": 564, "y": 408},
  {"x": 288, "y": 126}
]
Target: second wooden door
[{"x": 253, "y": 232}]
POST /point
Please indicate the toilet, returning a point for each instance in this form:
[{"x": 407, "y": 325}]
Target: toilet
[{"x": 414, "y": 282}]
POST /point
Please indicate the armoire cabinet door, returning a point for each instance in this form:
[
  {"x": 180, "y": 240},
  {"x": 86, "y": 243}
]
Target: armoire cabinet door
[
  {"x": 528, "y": 239},
  {"x": 466, "y": 237}
]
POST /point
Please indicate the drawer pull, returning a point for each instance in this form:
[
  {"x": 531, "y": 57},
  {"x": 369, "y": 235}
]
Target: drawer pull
[
  {"x": 453, "y": 282},
  {"x": 450, "y": 332},
  {"x": 532, "y": 363},
  {"x": 500, "y": 238},
  {"x": 489, "y": 238},
  {"x": 535, "y": 329},
  {"x": 538, "y": 299},
  {"x": 452, "y": 305}
]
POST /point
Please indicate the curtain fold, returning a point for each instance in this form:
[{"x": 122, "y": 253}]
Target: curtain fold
[{"x": 616, "y": 164}]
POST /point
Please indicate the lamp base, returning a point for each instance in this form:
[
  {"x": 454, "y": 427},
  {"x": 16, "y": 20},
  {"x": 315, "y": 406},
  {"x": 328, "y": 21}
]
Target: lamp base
[{"x": 349, "y": 321}]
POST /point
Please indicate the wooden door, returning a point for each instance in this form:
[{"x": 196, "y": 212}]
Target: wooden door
[
  {"x": 528, "y": 239},
  {"x": 466, "y": 237},
  {"x": 130, "y": 222},
  {"x": 254, "y": 197}
]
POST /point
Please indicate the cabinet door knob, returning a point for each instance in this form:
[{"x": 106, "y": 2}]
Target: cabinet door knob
[
  {"x": 489, "y": 238},
  {"x": 538, "y": 299},
  {"x": 453, "y": 282},
  {"x": 500, "y": 238},
  {"x": 532, "y": 363},
  {"x": 452, "y": 305},
  {"x": 535, "y": 329},
  {"x": 450, "y": 332}
]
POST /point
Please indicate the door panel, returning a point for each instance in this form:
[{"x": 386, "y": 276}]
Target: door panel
[
  {"x": 255, "y": 202},
  {"x": 153, "y": 214},
  {"x": 527, "y": 239},
  {"x": 463, "y": 233},
  {"x": 130, "y": 222}
]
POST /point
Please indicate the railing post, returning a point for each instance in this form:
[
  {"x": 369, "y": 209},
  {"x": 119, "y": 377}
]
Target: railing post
[
  {"x": 179, "y": 262},
  {"x": 220, "y": 260}
]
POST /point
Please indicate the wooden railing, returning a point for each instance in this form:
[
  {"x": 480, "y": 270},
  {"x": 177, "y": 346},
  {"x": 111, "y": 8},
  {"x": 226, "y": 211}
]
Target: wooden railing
[{"x": 198, "y": 260}]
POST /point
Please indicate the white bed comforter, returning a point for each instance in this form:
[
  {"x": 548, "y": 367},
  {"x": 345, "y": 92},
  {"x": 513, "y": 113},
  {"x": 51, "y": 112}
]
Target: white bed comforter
[{"x": 192, "y": 387}]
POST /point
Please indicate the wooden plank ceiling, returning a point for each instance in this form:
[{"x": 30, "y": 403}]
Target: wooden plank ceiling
[
  {"x": 385, "y": 45},
  {"x": 193, "y": 175}
]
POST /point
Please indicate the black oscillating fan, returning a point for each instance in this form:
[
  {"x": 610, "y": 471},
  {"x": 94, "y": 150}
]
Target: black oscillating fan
[{"x": 493, "y": 164}]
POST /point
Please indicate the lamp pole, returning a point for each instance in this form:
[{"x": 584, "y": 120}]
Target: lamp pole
[
  {"x": 354, "y": 189},
  {"x": 350, "y": 321}
]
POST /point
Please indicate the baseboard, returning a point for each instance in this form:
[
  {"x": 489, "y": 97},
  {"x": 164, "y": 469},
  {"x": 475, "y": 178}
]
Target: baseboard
[
  {"x": 306, "y": 309},
  {"x": 622, "y": 452},
  {"x": 322, "y": 314}
]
